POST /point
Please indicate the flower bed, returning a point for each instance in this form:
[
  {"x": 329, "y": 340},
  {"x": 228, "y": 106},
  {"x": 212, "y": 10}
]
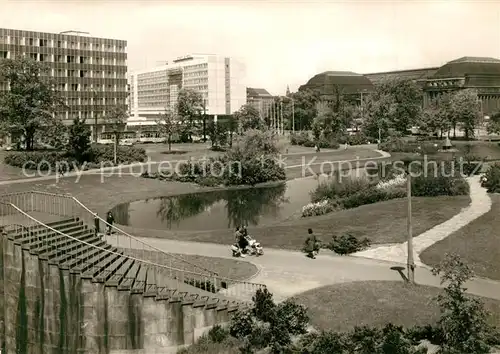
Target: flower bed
[{"x": 353, "y": 192}]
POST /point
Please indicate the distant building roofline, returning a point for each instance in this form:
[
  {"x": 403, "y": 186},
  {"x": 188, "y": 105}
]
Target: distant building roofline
[{"x": 403, "y": 71}]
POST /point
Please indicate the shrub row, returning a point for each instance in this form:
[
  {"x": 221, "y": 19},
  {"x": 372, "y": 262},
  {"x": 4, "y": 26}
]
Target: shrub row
[
  {"x": 491, "y": 179},
  {"x": 348, "y": 193},
  {"x": 396, "y": 144},
  {"x": 97, "y": 155},
  {"x": 218, "y": 172},
  {"x": 303, "y": 139},
  {"x": 283, "y": 328}
]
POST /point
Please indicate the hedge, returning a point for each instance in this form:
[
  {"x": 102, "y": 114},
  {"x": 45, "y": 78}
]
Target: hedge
[{"x": 97, "y": 155}]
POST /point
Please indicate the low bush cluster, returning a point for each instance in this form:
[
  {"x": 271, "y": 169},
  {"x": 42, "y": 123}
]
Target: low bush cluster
[
  {"x": 347, "y": 244},
  {"x": 93, "y": 158},
  {"x": 397, "y": 144},
  {"x": 319, "y": 208},
  {"x": 283, "y": 328},
  {"x": 346, "y": 193},
  {"x": 303, "y": 139},
  {"x": 354, "y": 139},
  {"x": 491, "y": 179},
  {"x": 252, "y": 160}
]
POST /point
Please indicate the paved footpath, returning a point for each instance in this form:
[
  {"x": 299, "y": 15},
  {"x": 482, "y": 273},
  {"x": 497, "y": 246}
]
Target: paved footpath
[
  {"x": 287, "y": 273},
  {"x": 480, "y": 205}
]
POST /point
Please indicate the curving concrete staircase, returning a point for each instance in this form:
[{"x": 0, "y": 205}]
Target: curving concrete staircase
[{"x": 67, "y": 289}]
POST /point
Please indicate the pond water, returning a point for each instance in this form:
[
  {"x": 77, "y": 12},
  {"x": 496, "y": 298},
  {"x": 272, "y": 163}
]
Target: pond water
[{"x": 220, "y": 209}]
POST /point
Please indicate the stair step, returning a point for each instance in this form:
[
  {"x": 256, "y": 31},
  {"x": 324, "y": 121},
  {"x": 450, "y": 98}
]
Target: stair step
[
  {"x": 128, "y": 280},
  {"x": 140, "y": 280},
  {"x": 92, "y": 255},
  {"x": 53, "y": 249},
  {"x": 55, "y": 225},
  {"x": 151, "y": 281},
  {"x": 54, "y": 238},
  {"x": 39, "y": 230},
  {"x": 115, "y": 272},
  {"x": 103, "y": 273},
  {"x": 77, "y": 256},
  {"x": 61, "y": 251},
  {"x": 104, "y": 262}
]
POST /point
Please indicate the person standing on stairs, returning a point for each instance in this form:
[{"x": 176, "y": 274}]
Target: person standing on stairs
[
  {"x": 97, "y": 224},
  {"x": 110, "y": 219}
]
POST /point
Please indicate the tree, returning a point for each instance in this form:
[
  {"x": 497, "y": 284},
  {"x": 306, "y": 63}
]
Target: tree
[
  {"x": 465, "y": 109},
  {"x": 304, "y": 104},
  {"x": 116, "y": 118},
  {"x": 189, "y": 109},
  {"x": 167, "y": 126},
  {"x": 55, "y": 134},
  {"x": 376, "y": 122},
  {"x": 328, "y": 123},
  {"x": 436, "y": 116},
  {"x": 248, "y": 117},
  {"x": 493, "y": 126},
  {"x": 463, "y": 319},
  {"x": 31, "y": 103},
  {"x": 396, "y": 104},
  {"x": 79, "y": 139},
  {"x": 217, "y": 132}
]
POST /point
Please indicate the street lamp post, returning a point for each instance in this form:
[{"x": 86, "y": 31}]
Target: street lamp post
[
  {"x": 410, "y": 260},
  {"x": 293, "y": 115}
]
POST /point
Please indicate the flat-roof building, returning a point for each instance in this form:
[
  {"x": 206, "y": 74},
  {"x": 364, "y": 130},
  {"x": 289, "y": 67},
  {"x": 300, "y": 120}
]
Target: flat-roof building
[
  {"x": 220, "y": 80},
  {"x": 90, "y": 72},
  {"x": 479, "y": 73}
]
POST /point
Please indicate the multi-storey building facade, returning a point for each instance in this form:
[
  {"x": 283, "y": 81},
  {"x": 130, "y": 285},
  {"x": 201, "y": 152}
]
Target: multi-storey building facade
[
  {"x": 260, "y": 99},
  {"x": 220, "y": 80},
  {"x": 90, "y": 72}
]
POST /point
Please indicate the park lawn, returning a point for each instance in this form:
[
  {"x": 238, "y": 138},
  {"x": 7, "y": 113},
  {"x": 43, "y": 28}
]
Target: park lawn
[
  {"x": 478, "y": 148},
  {"x": 341, "y": 307},
  {"x": 382, "y": 223},
  {"x": 478, "y": 243}
]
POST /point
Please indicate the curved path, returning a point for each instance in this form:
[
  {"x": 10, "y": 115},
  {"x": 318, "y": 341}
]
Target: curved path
[
  {"x": 480, "y": 204},
  {"x": 288, "y": 273}
]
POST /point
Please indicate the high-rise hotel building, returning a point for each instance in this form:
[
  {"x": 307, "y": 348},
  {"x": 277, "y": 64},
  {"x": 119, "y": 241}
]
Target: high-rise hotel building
[
  {"x": 90, "y": 72},
  {"x": 220, "y": 80}
]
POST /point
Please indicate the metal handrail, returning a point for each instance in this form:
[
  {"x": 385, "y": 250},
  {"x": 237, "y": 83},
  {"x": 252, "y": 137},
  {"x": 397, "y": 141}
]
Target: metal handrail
[
  {"x": 93, "y": 215},
  {"x": 139, "y": 241},
  {"x": 161, "y": 266}
]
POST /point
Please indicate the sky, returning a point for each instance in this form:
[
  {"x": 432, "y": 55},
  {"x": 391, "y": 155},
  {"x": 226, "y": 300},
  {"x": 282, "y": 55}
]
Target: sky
[{"x": 281, "y": 42}]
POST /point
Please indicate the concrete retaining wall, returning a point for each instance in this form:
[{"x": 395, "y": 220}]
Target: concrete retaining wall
[{"x": 44, "y": 309}]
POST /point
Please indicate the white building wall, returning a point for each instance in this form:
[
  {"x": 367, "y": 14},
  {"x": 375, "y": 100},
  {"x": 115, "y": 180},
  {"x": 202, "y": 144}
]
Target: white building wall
[
  {"x": 216, "y": 86},
  {"x": 216, "y": 92},
  {"x": 237, "y": 85}
]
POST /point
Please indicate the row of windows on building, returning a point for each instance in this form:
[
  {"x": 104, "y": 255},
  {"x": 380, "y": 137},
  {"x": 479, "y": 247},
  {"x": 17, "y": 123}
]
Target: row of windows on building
[
  {"x": 152, "y": 75},
  {"x": 195, "y": 67},
  {"x": 78, "y": 101},
  {"x": 152, "y": 86},
  {"x": 80, "y": 114},
  {"x": 160, "y": 100},
  {"x": 68, "y": 59},
  {"x": 195, "y": 81},
  {"x": 90, "y": 88},
  {"x": 93, "y": 74},
  {"x": 40, "y": 42},
  {"x": 195, "y": 73}
]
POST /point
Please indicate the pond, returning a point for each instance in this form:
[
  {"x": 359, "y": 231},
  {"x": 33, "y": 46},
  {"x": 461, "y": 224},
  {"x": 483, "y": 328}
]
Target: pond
[{"x": 219, "y": 209}]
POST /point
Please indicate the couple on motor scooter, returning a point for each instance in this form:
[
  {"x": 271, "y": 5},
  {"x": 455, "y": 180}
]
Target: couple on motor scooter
[{"x": 241, "y": 237}]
